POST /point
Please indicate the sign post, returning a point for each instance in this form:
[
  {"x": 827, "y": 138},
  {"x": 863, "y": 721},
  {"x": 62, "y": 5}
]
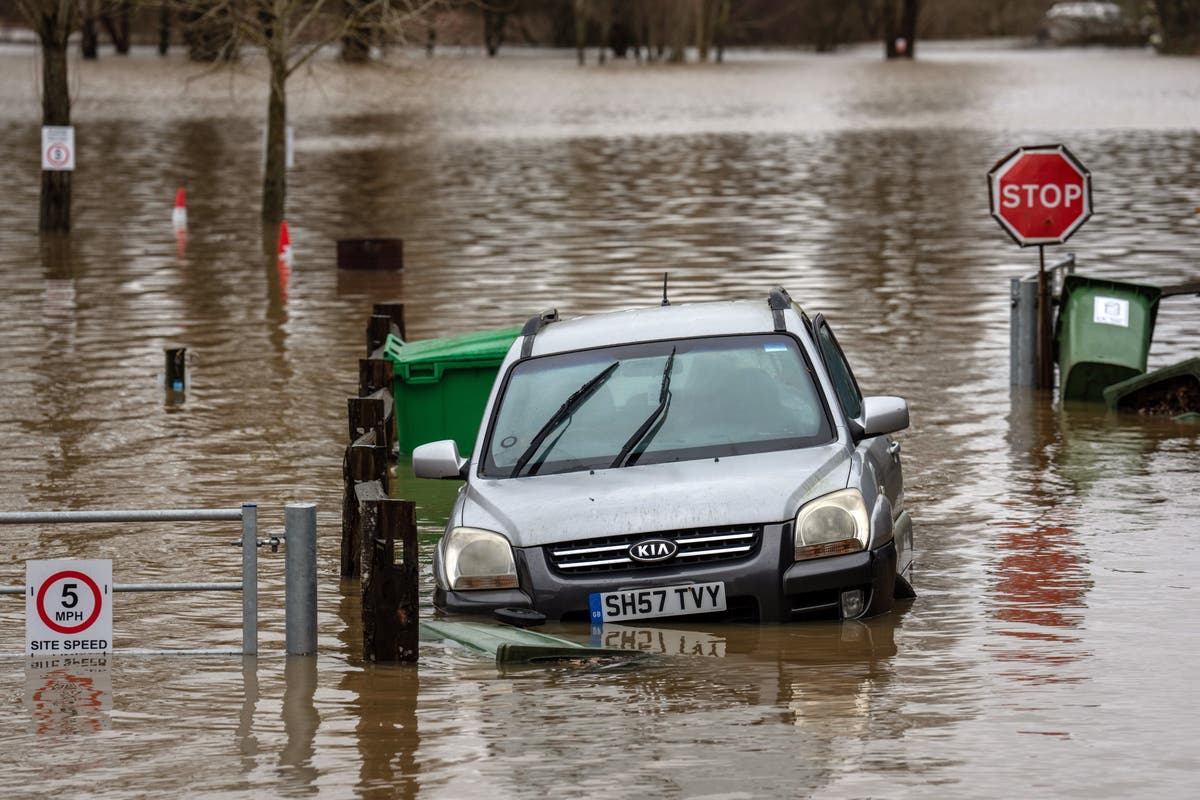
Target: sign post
[
  {"x": 1041, "y": 195},
  {"x": 68, "y": 607}
]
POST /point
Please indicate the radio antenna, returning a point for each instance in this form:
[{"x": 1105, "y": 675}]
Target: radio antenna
[{"x": 665, "y": 301}]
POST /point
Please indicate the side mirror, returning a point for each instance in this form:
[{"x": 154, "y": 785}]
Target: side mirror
[
  {"x": 439, "y": 460},
  {"x": 881, "y": 415}
]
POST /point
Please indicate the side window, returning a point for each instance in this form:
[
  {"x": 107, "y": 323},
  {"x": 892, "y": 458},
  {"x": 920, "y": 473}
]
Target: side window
[{"x": 844, "y": 384}]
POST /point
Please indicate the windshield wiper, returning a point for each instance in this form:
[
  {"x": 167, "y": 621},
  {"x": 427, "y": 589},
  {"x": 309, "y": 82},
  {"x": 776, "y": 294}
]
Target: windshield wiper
[
  {"x": 565, "y": 410},
  {"x": 658, "y": 415}
]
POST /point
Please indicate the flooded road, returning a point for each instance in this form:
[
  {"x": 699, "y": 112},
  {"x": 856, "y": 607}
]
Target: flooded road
[{"x": 1049, "y": 650}]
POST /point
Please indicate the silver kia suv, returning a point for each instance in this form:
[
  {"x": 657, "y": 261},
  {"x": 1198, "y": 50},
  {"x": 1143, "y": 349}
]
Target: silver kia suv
[{"x": 710, "y": 460}]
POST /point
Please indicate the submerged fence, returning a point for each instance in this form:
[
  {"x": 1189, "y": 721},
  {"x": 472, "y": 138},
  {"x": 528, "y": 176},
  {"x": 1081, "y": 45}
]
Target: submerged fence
[
  {"x": 375, "y": 525},
  {"x": 300, "y": 577}
]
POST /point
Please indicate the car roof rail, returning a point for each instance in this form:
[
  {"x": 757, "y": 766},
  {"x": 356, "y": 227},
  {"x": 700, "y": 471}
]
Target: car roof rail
[
  {"x": 778, "y": 300},
  {"x": 533, "y": 326}
]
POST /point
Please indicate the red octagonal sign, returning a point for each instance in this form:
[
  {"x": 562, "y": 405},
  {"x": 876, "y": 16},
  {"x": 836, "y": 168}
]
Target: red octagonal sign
[{"x": 1040, "y": 195}]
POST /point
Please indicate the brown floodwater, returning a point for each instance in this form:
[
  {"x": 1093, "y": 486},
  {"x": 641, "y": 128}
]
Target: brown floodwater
[{"x": 1050, "y": 650}]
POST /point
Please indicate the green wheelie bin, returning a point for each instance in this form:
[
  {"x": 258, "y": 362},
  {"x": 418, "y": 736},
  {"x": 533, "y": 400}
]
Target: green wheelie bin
[
  {"x": 1103, "y": 334},
  {"x": 442, "y": 385}
]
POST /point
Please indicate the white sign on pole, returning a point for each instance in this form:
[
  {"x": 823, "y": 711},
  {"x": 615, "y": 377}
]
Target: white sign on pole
[
  {"x": 68, "y": 606},
  {"x": 58, "y": 147}
]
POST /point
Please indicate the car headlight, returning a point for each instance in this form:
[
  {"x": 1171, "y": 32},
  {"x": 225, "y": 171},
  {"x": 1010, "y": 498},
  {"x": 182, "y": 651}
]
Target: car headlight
[
  {"x": 479, "y": 559},
  {"x": 832, "y": 525}
]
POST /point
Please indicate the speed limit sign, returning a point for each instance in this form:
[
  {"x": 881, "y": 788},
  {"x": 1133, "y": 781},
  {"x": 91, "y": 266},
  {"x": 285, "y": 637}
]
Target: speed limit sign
[
  {"x": 68, "y": 606},
  {"x": 58, "y": 148}
]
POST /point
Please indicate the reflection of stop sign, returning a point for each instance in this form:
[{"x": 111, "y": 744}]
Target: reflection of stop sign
[{"x": 1040, "y": 195}]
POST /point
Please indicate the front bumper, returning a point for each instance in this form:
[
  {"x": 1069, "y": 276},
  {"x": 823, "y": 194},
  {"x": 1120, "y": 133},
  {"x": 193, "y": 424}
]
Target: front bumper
[{"x": 765, "y": 587}]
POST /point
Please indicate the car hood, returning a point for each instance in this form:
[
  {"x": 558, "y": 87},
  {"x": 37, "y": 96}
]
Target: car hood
[{"x": 758, "y": 488}]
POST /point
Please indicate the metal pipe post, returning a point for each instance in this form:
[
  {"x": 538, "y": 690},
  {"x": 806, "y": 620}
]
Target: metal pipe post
[
  {"x": 1023, "y": 331},
  {"x": 300, "y": 579},
  {"x": 250, "y": 579}
]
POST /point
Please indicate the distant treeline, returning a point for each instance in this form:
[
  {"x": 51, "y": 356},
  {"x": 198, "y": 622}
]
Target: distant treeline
[{"x": 821, "y": 24}]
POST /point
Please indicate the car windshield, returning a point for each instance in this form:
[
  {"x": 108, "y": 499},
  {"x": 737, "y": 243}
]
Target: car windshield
[{"x": 664, "y": 401}]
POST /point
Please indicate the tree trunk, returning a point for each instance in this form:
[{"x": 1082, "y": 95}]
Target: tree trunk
[
  {"x": 89, "y": 39},
  {"x": 678, "y": 25},
  {"x": 721, "y": 26},
  {"x": 55, "y": 211},
  {"x": 581, "y": 21},
  {"x": 493, "y": 30},
  {"x": 908, "y": 26},
  {"x": 274, "y": 196},
  {"x": 164, "y": 27},
  {"x": 604, "y": 16},
  {"x": 1180, "y": 22},
  {"x": 900, "y": 28},
  {"x": 828, "y": 27},
  {"x": 117, "y": 25},
  {"x": 706, "y": 27}
]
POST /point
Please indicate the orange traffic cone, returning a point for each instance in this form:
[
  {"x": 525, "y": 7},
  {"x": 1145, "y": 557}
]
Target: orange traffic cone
[
  {"x": 179, "y": 216},
  {"x": 285, "y": 242}
]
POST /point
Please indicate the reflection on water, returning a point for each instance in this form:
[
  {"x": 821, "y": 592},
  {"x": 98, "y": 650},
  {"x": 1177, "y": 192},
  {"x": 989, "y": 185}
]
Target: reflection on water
[
  {"x": 68, "y": 695},
  {"x": 660, "y": 641},
  {"x": 1055, "y": 549}
]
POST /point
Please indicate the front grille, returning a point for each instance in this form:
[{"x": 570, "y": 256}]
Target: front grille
[{"x": 611, "y": 553}]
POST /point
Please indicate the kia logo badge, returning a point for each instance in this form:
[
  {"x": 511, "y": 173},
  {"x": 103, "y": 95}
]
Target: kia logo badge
[{"x": 651, "y": 551}]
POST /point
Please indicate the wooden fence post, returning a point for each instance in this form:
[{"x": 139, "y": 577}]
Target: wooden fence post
[
  {"x": 396, "y": 312},
  {"x": 367, "y": 414},
  {"x": 389, "y": 589},
  {"x": 364, "y": 461},
  {"x": 378, "y": 328},
  {"x": 375, "y": 374}
]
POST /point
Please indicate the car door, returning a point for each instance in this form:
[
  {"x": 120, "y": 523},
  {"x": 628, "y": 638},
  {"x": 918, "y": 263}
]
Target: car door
[{"x": 881, "y": 452}]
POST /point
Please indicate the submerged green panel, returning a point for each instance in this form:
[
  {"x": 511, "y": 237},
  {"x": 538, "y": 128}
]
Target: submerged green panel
[
  {"x": 487, "y": 637},
  {"x": 512, "y": 645}
]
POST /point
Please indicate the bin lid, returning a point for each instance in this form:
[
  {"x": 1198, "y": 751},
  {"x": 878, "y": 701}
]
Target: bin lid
[
  {"x": 1076, "y": 283},
  {"x": 487, "y": 346}
]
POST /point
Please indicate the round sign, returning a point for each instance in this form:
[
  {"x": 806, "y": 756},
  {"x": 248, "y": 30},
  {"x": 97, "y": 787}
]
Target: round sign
[
  {"x": 1040, "y": 195},
  {"x": 67, "y": 603},
  {"x": 58, "y": 155}
]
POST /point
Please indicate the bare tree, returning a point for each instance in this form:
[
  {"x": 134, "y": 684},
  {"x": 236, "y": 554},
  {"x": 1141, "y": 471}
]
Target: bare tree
[{"x": 290, "y": 33}]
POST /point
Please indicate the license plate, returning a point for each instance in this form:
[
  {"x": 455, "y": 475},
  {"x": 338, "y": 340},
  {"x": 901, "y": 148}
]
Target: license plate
[{"x": 661, "y": 601}]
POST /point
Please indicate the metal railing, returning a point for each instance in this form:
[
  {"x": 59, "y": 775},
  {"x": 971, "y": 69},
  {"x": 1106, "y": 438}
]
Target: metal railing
[{"x": 299, "y": 577}]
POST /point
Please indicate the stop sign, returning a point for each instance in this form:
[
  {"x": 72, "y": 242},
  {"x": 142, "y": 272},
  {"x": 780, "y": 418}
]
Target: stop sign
[{"x": 1040, "y": 195}]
